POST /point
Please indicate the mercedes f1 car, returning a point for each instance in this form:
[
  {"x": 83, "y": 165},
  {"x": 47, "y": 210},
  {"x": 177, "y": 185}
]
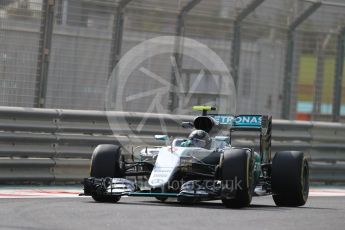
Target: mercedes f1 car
[{"x": 202, "y": 168}]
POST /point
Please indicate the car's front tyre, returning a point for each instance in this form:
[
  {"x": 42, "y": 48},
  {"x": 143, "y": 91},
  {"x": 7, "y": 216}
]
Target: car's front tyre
[
  {"x": 161, "y": 199},
  {"x": 105, "y": 199},
  {"x": 237, "y": 175},
  {"x": 106, "y": 162}
]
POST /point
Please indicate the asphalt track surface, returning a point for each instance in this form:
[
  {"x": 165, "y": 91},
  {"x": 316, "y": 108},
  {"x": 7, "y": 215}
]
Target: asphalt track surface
[{"x": 147, "y": 213}]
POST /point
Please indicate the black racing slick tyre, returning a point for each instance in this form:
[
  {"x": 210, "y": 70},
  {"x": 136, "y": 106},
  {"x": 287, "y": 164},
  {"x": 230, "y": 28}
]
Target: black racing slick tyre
[
  {"x": 290, "y": 179},
  {"x": 106, "y": 199},
  {"x": 161, "y": 199},
  {"x": 237, "y": 178},
  {"x": 106, "y": 162}
]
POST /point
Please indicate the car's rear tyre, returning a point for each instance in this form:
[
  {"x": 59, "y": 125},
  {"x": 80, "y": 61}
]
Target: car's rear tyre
[
  {"x": 237, "y": 175},
  {"x": 290, "y": 179},
  {"x": 106, "y": 162}
]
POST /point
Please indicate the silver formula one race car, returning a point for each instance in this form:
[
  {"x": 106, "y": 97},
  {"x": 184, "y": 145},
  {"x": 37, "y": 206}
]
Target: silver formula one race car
[{"x": 202, "y": 168}]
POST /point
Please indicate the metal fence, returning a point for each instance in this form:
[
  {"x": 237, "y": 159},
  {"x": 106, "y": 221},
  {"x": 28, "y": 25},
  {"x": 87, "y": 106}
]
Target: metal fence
[
  {"x": 286, "y": 56},
  {"x": 55, "y": 145}
]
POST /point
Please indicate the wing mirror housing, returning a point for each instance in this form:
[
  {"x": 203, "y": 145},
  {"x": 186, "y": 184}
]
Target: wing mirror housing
[
  {"x": 223, "y": 138},
  {"x": 161, "y": 137},
  {"x": 187, "y": 125}
]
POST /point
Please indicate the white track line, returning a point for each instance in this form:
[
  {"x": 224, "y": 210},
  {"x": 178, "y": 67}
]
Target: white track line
[
  {"x": 74, "y": 193},
  {"x": 326, "y": 192},
  {"x": 39, "y": 193}
]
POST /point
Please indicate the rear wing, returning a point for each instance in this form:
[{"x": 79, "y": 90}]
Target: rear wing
[{"x": 259, "y": 123}]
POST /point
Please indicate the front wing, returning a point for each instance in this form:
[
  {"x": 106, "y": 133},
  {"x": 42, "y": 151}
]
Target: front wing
[{"x": 196, "y": 190}]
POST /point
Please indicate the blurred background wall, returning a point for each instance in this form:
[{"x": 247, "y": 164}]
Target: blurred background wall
[{"x": 60, "y": 53}]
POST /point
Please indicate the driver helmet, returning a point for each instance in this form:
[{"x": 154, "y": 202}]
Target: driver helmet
[{"x": 200, "y": 138}]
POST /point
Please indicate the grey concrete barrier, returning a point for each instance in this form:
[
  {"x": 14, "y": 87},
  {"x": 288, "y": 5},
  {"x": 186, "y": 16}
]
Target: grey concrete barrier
[
  {"x": 55, "y": 146},
  {"x": 26, "y": 170}
]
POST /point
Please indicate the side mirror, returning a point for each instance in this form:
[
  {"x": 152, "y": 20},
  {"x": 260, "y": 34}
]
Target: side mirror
[
  {"x": 187, "y": 125},
  {"x": 223, "y": 138},
  {"x": 161, "y": 137}
]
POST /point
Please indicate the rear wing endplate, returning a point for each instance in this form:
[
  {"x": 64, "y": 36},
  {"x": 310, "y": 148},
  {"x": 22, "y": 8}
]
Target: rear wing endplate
[{"x": 259, "y": 123}]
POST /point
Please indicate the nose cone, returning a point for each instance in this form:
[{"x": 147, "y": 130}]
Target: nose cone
[{"x": 166, "y": 165}]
